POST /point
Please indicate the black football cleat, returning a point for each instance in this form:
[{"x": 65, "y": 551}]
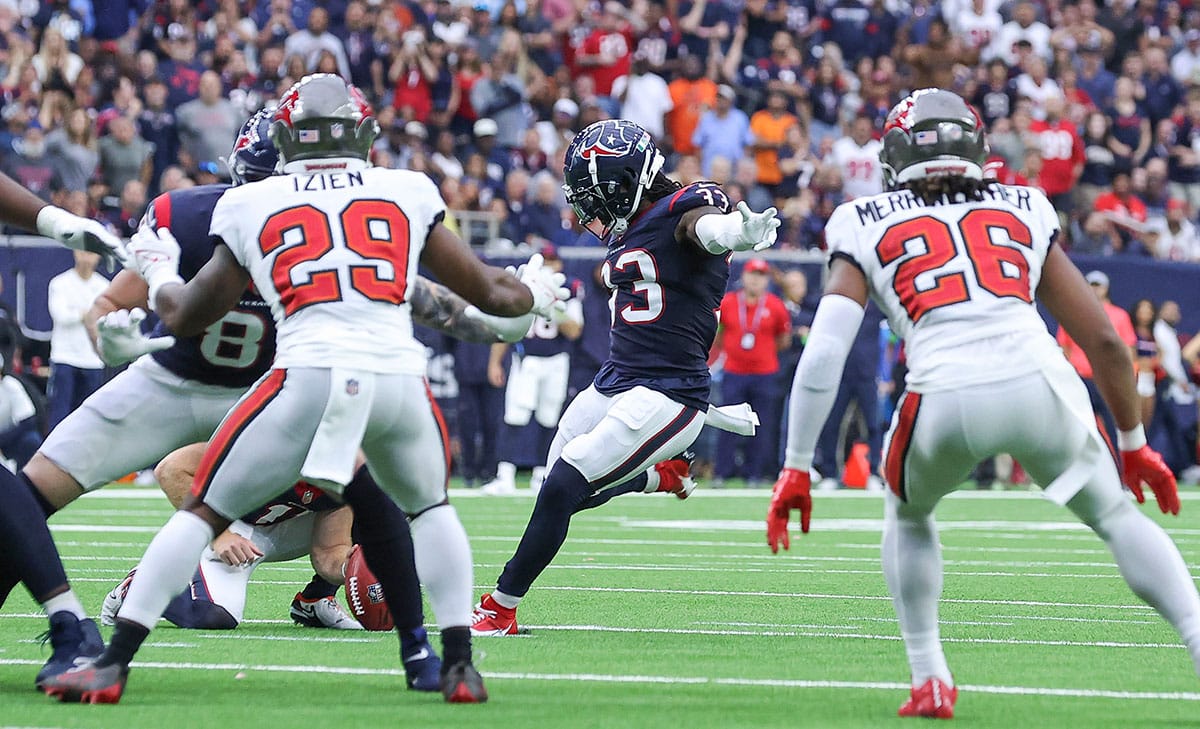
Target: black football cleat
[
  {"x": 71, "y": 638},
  {"x": 462, "y": 684}
]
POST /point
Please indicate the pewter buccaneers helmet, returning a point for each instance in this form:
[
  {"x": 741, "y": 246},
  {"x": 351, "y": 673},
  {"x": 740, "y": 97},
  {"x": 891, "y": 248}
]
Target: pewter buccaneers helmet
[
  {"x": 322, "y": 116},
  {"x": 932, "y": 133}
]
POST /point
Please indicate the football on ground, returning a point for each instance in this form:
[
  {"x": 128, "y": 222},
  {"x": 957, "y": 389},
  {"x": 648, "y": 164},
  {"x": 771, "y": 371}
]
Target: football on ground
[{"x": 364, "y": 594}]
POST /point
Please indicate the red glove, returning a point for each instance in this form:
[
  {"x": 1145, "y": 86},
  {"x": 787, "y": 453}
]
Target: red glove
[
  {"x": 1146, "y": 465},
  {"x": 791, "y": 492}
]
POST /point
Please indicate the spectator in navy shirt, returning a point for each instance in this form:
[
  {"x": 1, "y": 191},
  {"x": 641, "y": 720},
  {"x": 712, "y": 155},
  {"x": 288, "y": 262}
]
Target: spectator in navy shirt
[
  {"x": 1163, "y": 92},
  {"x": 156, "y": 124},
  {"x": 364, "y": 55}
]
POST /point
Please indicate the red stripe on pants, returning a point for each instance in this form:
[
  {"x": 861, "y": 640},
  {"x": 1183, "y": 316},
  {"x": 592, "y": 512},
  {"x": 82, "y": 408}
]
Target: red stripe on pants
[
  {"x": 235, "y": 423},
  {"x": 893, "y": 469}
]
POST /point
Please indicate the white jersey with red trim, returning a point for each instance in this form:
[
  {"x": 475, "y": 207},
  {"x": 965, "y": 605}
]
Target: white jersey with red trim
[
  {"x": 956, "y": 280},
  {"x": 333, "y": 253}
]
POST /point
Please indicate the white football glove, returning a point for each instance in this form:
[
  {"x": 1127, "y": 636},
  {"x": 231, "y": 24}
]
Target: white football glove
[
  {"x": 506, "y": 328},
  {"x": 82, "y": 234},
  {"x": 119, "y": 337},
  {"x": 156, "y": 257},
  {"x": 743, "y": 230},
  {"x": 546, "y": 286}
]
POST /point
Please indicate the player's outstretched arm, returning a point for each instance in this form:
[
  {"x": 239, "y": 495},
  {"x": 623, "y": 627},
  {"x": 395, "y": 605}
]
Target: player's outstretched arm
[
  {"x": 492, "y": 289},
  {"x": 720, "y": 233},
  {"x": 437, "y": 307},
  {"x": 814, "y": 388},
  {"x": 1070, "y": 300},
  {"x": 22, "y": 208}
]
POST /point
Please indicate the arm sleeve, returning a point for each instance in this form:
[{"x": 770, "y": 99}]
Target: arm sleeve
[{"x": 815, "y": 384}]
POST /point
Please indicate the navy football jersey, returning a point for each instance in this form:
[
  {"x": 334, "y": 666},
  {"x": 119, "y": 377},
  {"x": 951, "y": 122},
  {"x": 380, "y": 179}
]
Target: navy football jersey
[
  {"x": 544, "y": 339},
  {"x": 302, "y": 498},
  {"x": 239, "y": 348},
  {"x": 665, "y": 295}
]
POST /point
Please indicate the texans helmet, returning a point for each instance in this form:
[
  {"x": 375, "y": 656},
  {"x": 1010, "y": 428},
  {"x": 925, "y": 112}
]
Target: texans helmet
[
  {"x": 321, "y": 117},
  {"x": 608, "y": 167},
  {"x": 932, "y": 133},
  {"x": 254, "y": 156}
]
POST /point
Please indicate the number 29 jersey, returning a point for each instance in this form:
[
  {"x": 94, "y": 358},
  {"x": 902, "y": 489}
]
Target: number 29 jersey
[
  {"x": 956, "y": 280},
  {"x": 334, "y": 254},
  {"x": 665, "y": 297},
  {"x": 238, "y": 349}
]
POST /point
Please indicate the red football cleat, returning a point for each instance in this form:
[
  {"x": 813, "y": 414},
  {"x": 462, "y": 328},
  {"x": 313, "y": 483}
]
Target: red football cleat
[
  {"x": 492, "y": 618},
  {"x": 932, "y": 700},
  {"x": 674, "y": 475},
  {"x": 88, "y": 684},
  {"x": 462, "y": 684}
]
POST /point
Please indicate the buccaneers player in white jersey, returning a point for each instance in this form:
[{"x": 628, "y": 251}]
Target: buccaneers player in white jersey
[
  {"x": 956, "y": 262},
  {"x": 333, "y": 247}
]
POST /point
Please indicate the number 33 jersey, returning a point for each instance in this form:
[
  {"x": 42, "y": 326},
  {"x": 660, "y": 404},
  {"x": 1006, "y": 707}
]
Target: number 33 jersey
[
  {"x": 957, "y": 281},
  {"x": 665, "y": 294},
  {"x": 236, "y": 350},
  {"x": 334, "y": 253}
]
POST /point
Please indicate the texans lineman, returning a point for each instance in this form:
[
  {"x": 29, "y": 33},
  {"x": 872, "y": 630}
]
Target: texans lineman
[
  {"x": 957, "y": 262},
  {"x": 668, "y": 266},
  {"x": 333, "y": 247}
]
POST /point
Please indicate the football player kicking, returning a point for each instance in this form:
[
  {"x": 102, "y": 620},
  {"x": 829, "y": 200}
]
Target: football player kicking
[
  {"x": 332, "y": 245},
  {"x": 668, "y": 266},
  {"x": 957, "y": 263},
  {"x": 301, "y": 521},
  {"x": 178, "y": 393}
]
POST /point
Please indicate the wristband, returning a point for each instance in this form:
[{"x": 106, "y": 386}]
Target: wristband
[
  {"x": 158, "y": 279},
  {"x": 50, "y": 221},
  {"x": 1132, "y": 439}
]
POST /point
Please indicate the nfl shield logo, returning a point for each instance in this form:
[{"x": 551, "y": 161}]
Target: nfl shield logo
[
  {"x": 352, "y": 387},
  {"x": 375, "y": 593},
  {"x": 337, "y": 131},
  {"x": 306, "y": 497}
]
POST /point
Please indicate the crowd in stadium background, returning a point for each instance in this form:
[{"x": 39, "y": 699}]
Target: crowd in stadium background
[{"x": 109, "y": 103}]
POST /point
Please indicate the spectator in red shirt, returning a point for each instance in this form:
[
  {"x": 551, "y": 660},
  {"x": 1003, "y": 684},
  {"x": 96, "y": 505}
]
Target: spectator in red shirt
[
  {"x": 606, "y": 53},
  {"x": 754, "y": 328},
  {"x": 1062, "y": 154},
  {"x": 1124, "y": 326},
  {"x": 1126, "y": 211}
]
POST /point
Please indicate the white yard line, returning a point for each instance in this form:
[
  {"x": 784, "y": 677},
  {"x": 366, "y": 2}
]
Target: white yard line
[{"x": 690, "y": 680}]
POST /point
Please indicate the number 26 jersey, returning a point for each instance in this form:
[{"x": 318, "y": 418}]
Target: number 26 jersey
[
  {"x": 665, "y": 295},
  {"x": 956, "y": 280},
  {"x": 334, "y": 253}
]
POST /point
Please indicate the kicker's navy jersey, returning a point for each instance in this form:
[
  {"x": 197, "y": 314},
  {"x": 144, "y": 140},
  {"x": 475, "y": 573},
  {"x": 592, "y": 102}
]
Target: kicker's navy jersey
[
  {"x": 664, "y": 302},
  {"x": 239, "y": 348},
  {"x": 303, "y": 498}
]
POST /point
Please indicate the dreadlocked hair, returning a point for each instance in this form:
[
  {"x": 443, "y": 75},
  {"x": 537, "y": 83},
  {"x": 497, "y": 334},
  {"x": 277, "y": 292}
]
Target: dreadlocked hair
[
  {"x": 661, "y": 186},
  {"x": 947, "y": 189}
]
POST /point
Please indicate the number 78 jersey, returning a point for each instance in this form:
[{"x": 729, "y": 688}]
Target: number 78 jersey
[
  {"x": 956, "y": 280},
  {"x": 334, "y": 253}
]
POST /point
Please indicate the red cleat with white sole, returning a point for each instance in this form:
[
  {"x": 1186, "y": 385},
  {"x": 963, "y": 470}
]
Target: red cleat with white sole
[
  {"x": 492, "y": 618},
  {"x": 932, "y": 700},
  {"x": 674, "y": 475}
]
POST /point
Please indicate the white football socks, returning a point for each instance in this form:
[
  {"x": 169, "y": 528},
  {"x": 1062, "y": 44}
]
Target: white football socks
[
  {"x": 1153, "y": 568},
  {"x": 444, "y": 565},
  {"x": 66, "y": 601},
  {"x": 166, "y": 568},
  {"x": 912, "y": 567}
]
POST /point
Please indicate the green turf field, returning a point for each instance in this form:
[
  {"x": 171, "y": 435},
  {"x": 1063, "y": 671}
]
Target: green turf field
[{"x": 664, "y": 613}]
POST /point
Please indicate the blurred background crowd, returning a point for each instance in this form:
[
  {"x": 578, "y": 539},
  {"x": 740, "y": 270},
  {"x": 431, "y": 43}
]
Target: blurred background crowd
[{"x": 107, "y": 103}]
